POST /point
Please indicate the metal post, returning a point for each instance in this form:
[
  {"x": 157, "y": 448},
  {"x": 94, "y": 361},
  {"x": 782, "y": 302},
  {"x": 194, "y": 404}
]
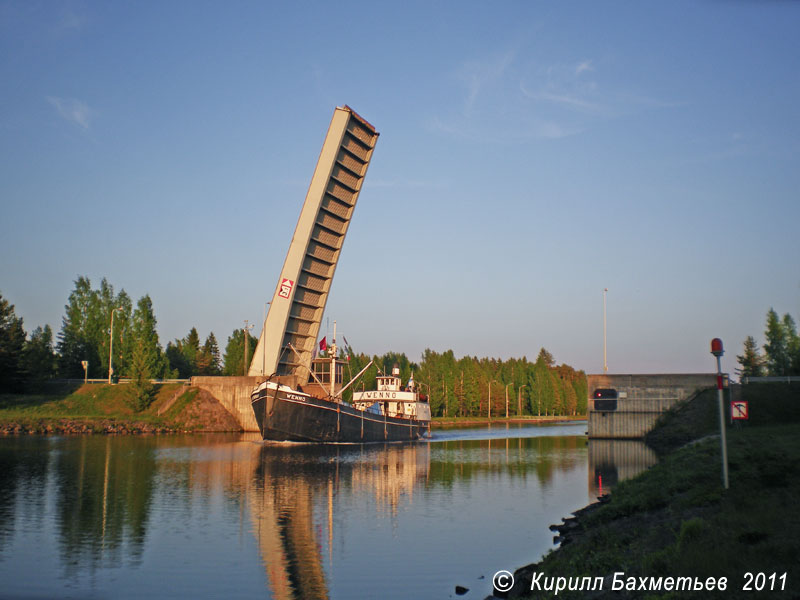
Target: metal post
[
  {"x": 246, "y": 361},
  {"x": 512, "y": 383},
  {"x": 717, "y": 350},
  {"x": 111, "y": 345}
]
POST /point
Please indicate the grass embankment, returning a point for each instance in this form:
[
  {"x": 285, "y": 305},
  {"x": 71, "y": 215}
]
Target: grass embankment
[
  {"x": 677, "y": 520},
  {"x": 109, "y": 409}
]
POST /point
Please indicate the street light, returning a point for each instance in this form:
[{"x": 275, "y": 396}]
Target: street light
[
  {"x": 247, "y": 328},
  {"x": 490, "y": 397},
  {"x": 508, "y": 384},
  {"x": 519, "y": 400},
  {"x": 605, "y": 361},
  {"x": 111, "y": 344}
]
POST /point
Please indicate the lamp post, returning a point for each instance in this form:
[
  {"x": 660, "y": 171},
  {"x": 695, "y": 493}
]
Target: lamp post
[
  {"x": 605, "y": 360},
  {"x": 718, "y": 351},
  {"x": 490, "y": 397},
  {"x": 111, "y": 344},
  {"x": 519, "y": 399},
  {"x": 508, "y": 384},
  {"x": 247, "y": 329}
]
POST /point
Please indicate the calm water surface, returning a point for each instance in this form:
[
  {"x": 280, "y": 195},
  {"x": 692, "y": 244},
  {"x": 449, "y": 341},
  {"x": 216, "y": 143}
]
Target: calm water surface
[{"x": 229, "y": 516}]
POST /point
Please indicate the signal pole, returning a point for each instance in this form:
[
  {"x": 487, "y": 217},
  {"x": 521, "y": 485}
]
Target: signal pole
[{"x": 717, "y": 350}]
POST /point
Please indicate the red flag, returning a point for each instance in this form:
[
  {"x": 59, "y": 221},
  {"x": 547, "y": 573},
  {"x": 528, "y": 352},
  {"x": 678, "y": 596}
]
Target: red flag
[{"x": 323, "y": 344}]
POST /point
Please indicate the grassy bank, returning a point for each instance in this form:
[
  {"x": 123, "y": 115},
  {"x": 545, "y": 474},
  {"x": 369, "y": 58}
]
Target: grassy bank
[
  {"x": 675, "y": 520},
  {"x": 109, "y": 409}
]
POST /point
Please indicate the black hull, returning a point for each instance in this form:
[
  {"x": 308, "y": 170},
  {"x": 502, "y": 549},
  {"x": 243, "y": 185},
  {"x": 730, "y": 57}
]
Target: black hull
[{"x": 300, "y": 418}]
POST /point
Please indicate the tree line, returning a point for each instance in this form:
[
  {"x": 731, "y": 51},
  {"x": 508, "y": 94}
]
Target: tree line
[
  {"x": 132, "y": 344},
  {"x": 463, "y": 387},
  {"x": 455, "y": 387},
  {"x": 781, "y": 350}
]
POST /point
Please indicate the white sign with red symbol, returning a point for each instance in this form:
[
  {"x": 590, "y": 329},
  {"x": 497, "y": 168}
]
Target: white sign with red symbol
[
  {"x": 286, "y": 288},
  {"x": 739, "y": 410}
]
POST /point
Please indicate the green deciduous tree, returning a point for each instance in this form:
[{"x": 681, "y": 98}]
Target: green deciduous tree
[
  {"x": 234, "y": 352},
  {"x": 86, "y": 328}
]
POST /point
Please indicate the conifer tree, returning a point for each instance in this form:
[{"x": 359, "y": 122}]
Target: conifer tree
[
  {"x": 792, "y": 345},
  {"x": 39, "y": 357},
  {"x": 12, "y": 342},
  {"x": 751, "y": 362},
  {"x": 191, "y": 350},
  {"x": 208, "y": 358},
  {"x": 776, "y": 346},
  {"x": 147, "y": 360}
]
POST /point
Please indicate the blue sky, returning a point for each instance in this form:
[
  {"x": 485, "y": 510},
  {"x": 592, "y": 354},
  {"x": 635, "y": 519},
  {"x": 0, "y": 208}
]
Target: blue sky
[{"x": 531, "y": 154}]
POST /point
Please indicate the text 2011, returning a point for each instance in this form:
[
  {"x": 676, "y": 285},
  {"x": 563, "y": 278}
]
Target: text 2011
[{"x": 759, "y": 582}]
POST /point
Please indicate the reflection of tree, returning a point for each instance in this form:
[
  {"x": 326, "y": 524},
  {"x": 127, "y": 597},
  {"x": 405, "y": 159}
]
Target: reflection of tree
[
  {"x": 23, "y": 470},
  {"x": 456, "y": 460},
  {"x": 105, "y": 489}
]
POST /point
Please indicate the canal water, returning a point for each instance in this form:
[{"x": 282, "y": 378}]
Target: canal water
[{"x": 229, "y": 516}]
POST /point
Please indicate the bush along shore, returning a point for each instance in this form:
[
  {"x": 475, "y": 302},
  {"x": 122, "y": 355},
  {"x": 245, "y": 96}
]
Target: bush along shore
[
  {"x": 673, "y": 531},
  {"x": 111, "y": 409}
]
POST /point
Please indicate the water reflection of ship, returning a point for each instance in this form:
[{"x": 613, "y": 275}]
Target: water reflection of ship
[
  {"x": 293, "y": 503},
  {"x": 613, "y": 461}
]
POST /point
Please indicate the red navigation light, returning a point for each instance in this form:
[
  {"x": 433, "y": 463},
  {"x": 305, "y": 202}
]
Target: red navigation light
[{"x": 716, "y": 347}]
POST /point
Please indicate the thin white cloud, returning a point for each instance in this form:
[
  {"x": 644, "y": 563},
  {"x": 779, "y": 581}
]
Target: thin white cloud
[
  {"x": 69, "y": 21},
  {"x": 480, "y": 74},
  {"x": 72, "y": 110},
  {"x": 563, "y": 98},
  {"x": 586, "y": 65}
]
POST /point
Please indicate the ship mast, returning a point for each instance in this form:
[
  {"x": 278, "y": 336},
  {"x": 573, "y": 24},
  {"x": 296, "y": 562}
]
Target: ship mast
[{"x": 333, "y": 361}]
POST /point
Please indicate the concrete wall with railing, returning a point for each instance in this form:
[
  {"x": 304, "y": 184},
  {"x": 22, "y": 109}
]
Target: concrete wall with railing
[{"x": 641, "y": 400}]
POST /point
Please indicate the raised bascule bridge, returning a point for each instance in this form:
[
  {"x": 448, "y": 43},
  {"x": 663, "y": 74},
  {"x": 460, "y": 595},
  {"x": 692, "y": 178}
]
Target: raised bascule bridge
[{"x": 292, "y": 324}]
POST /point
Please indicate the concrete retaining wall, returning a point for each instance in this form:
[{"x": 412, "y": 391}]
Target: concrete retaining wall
[
  {"x": 642, "y": 400},
  {"x": 234, "y": 394}
]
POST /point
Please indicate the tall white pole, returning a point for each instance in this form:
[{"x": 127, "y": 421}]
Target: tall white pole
[
  {"x": 111, "y": 345},
  {"x": 605, "y": 359}
]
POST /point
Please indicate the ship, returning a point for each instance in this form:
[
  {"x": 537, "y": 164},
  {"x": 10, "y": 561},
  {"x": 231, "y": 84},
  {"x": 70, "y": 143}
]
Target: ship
[{"x": 317, "y": 412}]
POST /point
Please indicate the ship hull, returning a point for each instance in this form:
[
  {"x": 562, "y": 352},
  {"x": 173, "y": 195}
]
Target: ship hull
[{"x": 285, "y": 415}]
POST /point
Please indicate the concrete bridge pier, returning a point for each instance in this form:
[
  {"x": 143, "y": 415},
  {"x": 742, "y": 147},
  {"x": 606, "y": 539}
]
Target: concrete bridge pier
[
  {"x": 628, "y": 406},
  {"x": 234, "y": 394}
]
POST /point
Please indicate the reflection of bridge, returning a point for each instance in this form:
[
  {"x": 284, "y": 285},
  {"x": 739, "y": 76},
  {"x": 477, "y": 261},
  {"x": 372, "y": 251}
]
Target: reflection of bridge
[{"x": 294, "y": 486}]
